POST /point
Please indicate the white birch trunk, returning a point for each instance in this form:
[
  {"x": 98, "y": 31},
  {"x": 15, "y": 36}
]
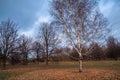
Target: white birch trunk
[{"x": 80, "y": 66}]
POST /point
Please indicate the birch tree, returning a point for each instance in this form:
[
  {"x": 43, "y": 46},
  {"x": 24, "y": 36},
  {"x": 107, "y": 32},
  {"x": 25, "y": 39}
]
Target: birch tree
[{"x": 82, "y": 22}]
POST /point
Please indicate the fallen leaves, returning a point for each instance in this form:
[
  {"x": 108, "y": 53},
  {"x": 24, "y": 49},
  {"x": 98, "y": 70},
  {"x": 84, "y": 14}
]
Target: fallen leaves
[{"x": 68, "y": 74}]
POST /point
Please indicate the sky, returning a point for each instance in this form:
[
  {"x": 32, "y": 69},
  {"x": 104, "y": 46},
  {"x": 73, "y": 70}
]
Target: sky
[
  {"x": 111, "y": 10},
  {"x": 28, "y": 14}
]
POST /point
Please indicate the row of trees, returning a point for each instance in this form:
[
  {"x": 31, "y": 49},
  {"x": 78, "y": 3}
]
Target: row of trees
[
  {"x": 18, "y": 48},
  {"x": 110, "y": 50}
]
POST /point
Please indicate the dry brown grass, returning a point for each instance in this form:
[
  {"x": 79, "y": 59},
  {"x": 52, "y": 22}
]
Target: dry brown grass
[
  {"x": 93, "y": 70},
  {"x": 68, "y": 74}
]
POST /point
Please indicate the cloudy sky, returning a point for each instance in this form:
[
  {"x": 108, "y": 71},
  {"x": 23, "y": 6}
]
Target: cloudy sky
[
  {"x": 111, "y": 10},
  {"x": 30, "y": 13}
]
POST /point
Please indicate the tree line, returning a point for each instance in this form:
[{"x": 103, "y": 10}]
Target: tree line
[
  {"x": 108, "y": 51},
  {"x": 17, "y": 49}
]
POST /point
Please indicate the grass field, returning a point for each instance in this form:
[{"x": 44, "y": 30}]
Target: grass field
[{"x": 93, "y": 70}]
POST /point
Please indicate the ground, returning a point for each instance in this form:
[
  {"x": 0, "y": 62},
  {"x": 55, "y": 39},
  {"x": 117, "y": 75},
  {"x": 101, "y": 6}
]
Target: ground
[{"x": 93, "y": 70}]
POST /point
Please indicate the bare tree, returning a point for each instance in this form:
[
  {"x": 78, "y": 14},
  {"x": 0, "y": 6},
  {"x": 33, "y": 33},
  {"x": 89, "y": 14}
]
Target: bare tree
[
  {"x": 48, "y": 39},
  {"x": 96, "y": 53},
  {"x": 113, "y": 47},
  {"x": 8, "y": 38},
  {"x": 38, "y": 49},
  {"x": 82, "y": 22},
  {"x": 25, "y": 47}
]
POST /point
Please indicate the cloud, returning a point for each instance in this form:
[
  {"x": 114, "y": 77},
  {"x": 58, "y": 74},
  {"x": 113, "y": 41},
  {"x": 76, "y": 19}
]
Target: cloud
[
  {"x": 106, "y": 7},
  {"x": 42, "y": 19},
  {"x": 41, "y": 15},
  {"x": 28, "y": 32},
  {"x": 33, "y": 30},
  {"x": 111, "y": 9}
]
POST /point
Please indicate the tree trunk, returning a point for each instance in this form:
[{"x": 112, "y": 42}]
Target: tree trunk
[
  {"x": 47, "y": 59},
  {"x": 46, "y": 53},
  {"x": 80, "y": 65},
  {"x": 26, "y": 59},
  {"x": 0, "y": 61},
  {"x": 38, "y": 56},
  {"x": 4, "y": 62}
]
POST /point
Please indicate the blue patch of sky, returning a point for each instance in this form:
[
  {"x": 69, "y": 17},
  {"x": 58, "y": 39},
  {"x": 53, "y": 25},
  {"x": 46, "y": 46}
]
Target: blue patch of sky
[{"x": 22, "y": 12}]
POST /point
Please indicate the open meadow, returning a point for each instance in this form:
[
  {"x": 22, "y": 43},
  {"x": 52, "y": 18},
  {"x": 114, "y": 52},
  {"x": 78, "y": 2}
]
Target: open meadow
[{"x": 93, "y": 70}]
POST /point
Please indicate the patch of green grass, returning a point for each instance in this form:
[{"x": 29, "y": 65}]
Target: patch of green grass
[
  {"x": 59, "y": 65},
  {"x": 5, "y": 75},
  {"x": 114, "y": 65}
]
